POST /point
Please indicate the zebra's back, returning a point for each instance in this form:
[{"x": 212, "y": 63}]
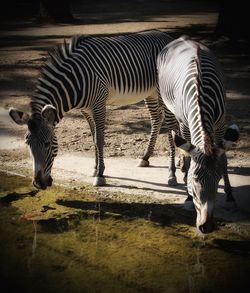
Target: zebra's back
[
  {"x": 191, "y": 84},
  {"x": 126, "y": 64}
]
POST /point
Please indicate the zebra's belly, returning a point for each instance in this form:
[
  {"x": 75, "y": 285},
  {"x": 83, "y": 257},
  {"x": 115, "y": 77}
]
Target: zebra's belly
[{"x": 117, "y": 98}]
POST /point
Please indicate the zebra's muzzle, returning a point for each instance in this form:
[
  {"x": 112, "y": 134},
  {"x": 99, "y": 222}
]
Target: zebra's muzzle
[
  {"x": 206, "y": 227},
  {"x": 205, "y": 222},
  {"x": 41, "y": 183}
]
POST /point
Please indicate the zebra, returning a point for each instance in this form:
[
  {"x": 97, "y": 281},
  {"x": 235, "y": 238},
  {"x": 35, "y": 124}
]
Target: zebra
[
  {"x": 191, "y": 84},
  {"x": 87, "y": 74}
]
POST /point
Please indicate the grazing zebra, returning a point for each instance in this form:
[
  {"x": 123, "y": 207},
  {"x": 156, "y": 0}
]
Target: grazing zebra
[
  {"x": 191, "y": 86},
  {"x": 88, "y": 74}
]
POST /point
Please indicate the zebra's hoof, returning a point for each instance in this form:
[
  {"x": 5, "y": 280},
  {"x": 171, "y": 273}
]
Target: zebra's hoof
[
  {"x": 99, "y": 181},
  {"x": 94, "y": 173},
  {"x": 189, "y": 205},
  {"x": 143, "y": 163},
  {"x": 172, "y": 181}
]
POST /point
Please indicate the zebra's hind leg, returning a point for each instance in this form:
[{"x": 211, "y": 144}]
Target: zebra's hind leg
[
  {"x": 91, "y": 122},
  {"x": 156, "y": 118},
  {"x": 172, "y": 181}
]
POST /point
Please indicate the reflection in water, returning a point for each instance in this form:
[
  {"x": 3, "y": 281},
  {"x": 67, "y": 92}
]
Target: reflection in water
[
  {"x": 33, "y": 248},
  {"x": 197, "y": 277},
  {"x": 34, "y": 239},
  {"x": 96, "y": 221},
  {"x": 149, "y": 215}
]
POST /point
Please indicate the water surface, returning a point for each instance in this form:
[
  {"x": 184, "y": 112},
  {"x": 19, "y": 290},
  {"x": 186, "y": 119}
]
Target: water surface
[{"x": 63, "y": 240}]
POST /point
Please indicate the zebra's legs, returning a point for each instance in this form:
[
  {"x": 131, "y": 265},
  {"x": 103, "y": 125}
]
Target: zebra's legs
[
  {"x": 185, "y": 159},
  {"x": 185, "y": 166},
  {"x": 91, "y": 122},
  {"x": 99, "y": 115},
  {"x": 156, "y": 118},
  {"x": 227, "y": 185},
  {"x": 172, "y": 169},
  {"x": 172, "y": 124},
  {"x": 184, "y": 131}
]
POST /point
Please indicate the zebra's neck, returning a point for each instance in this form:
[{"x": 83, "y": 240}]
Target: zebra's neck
[
  {"x": 201, "y": 131},
  {"x": 38, "y": 102},
  {"x": 204, "y": 141},
  {"x": 60, "y": 84},
  {"x": 201, "y": 122}
]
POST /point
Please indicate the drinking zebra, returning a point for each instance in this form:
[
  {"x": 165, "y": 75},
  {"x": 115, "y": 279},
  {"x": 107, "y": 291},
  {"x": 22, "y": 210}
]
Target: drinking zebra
[
  {"x": 191, "y": 86},
  {"x": 88, "y": 74}
]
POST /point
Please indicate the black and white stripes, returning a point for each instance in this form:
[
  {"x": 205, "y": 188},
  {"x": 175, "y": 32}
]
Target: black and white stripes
[
  {"x": 191, "y": 86},
  {"x": 117, "y": 68},
  {"x": 91, "y": 72}
]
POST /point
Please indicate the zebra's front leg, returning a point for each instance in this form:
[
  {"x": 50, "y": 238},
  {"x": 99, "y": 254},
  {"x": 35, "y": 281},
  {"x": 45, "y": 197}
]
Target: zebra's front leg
[
  {"x": 156, "y": 118},
  {"x": 99, "y": 118},
  {"x": 185, "y": 164},
  {"x": 227, "y": 185},
  {"x": 172, "y": 181},
  {"x": 185, "y": 159},
  {"x": 228, "y": 188},
  {"x": 188, "y": 204},
  {"x": 230, "y": 203}
]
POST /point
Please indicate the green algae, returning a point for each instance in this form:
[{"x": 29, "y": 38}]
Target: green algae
[{"x": 62, "y": 240}]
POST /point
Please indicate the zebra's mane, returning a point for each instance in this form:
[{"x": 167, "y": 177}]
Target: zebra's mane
[
  {"x": 65, "y": 49},
  {"x": 55, "y": 55},
  {"x": 207, "y": 138}
]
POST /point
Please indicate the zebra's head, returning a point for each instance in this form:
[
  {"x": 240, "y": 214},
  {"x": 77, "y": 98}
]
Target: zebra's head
[
  {"x": 41, "y": 140},
  {"x": 204, "y": 174}
]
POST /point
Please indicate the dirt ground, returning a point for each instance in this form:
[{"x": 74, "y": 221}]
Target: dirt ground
[{"x": 23, "y": 50}]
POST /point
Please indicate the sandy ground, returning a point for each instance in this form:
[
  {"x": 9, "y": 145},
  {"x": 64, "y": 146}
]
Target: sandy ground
[
  {"x": 74, "y": 169},
  {"x": 24, "y": 46}
]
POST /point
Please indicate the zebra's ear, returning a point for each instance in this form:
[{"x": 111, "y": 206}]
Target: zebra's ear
[
  {"x": 49, "y": 114},
  {"x": 182, "y": 143},
  {"x": 232, "y": 134},
  {"x": 19, "y": 117}
]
